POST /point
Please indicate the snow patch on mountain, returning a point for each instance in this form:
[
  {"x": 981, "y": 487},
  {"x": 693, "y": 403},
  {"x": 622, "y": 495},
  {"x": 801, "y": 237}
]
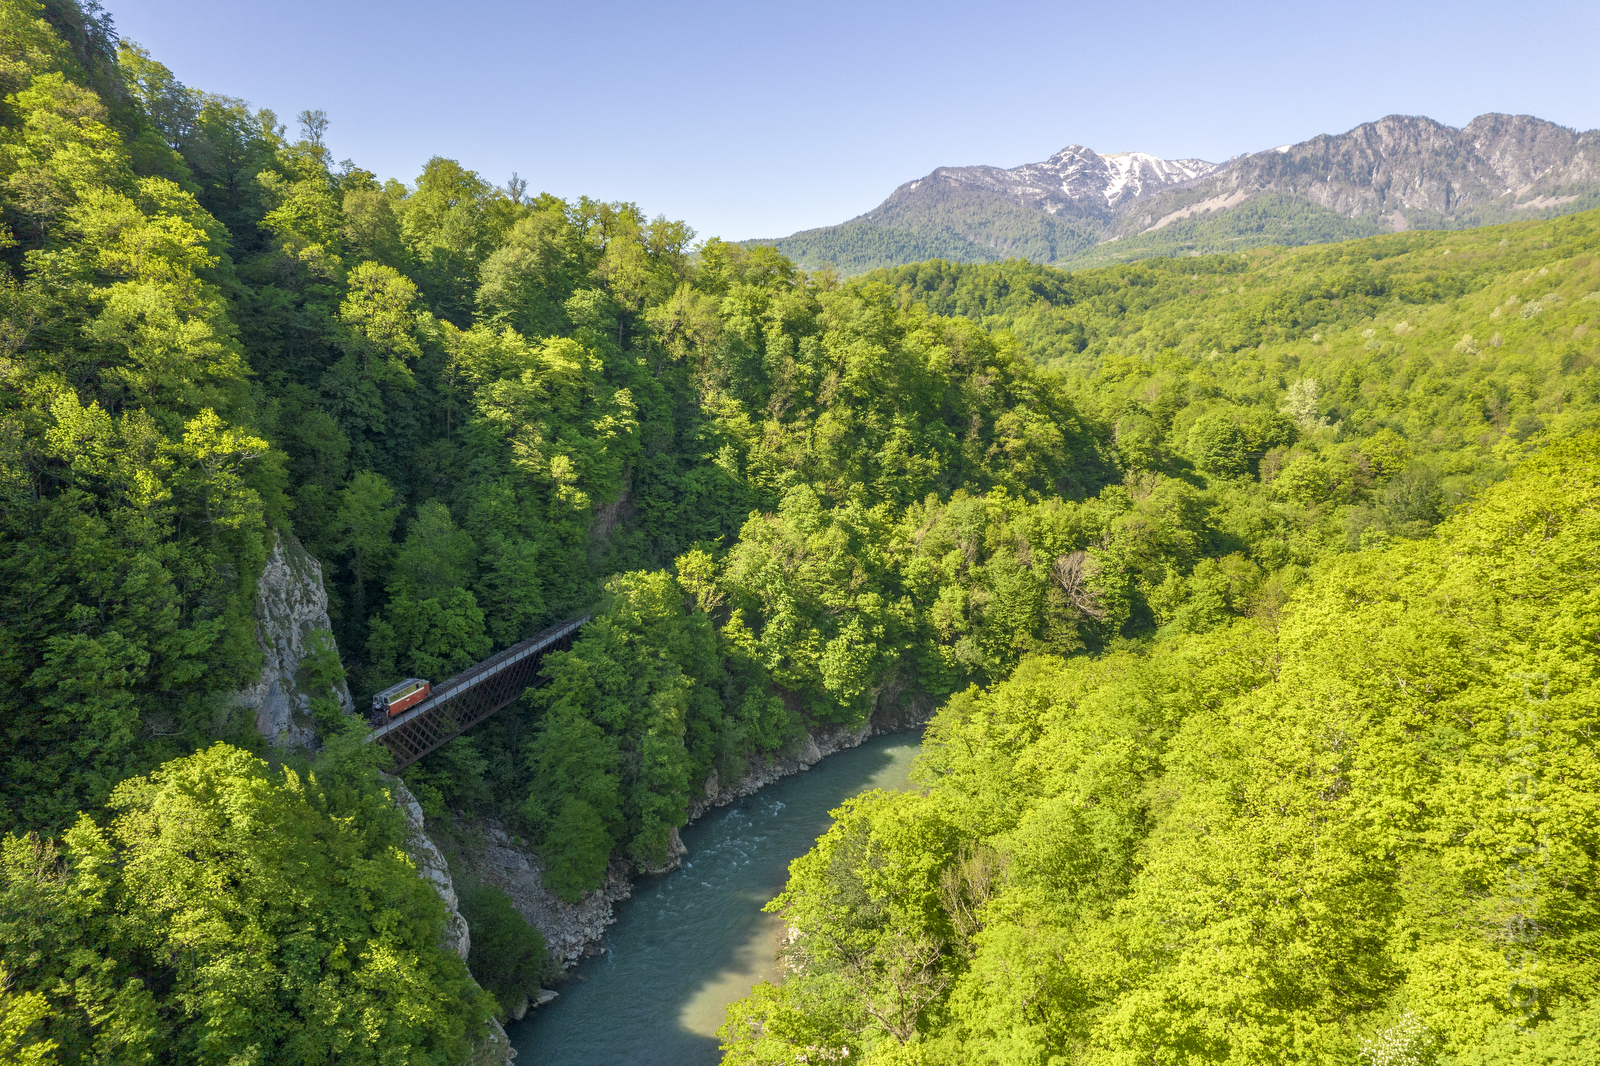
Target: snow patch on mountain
[
  {"x": 1080, "y": 175},
  {"x": 1133, "y": 173}
]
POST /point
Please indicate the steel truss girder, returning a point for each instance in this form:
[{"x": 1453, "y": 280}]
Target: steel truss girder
[{"x": 472, "y": 695}]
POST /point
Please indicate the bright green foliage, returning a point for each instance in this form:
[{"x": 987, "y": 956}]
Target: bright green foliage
[
  {"x": 134, "y": 492},
  {"x": 227, "y": 913},
  {"x": 1217, "y": 445},
  {"x": 640, "y": 709},
  {"x": 855, "y": 247},
  {"x": 1373, "y": 385},
  {"x": 323, "y": 676},
  {"x": 22, "y": 1017},
  {"x": 1253, "y": 844},
  {"x": 934, "y": 509},
  {"x": 433, "y": 626},
  {"x": 1568, "y": 1038},
  {"x": 1070, "y": 507},
  {"x": 1271, "y": 219}
]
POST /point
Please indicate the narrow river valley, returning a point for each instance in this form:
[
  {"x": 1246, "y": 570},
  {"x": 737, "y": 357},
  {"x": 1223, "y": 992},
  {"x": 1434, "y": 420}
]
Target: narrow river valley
[{"x": 690, "y": 942}]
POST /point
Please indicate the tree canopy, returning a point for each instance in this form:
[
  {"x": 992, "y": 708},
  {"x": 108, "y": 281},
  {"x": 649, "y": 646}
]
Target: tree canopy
[{"x": 1249, "y": 589}]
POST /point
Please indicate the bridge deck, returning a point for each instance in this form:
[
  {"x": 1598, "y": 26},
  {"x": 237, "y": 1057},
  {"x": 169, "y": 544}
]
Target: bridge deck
[{"x": 461, "y": 702}]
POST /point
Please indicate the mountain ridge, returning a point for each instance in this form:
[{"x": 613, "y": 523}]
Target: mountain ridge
[
  {"x": 1413, "y": 164},
  {"x": 1079, "y": 207},
  {"x": 1075, "y": 180}
]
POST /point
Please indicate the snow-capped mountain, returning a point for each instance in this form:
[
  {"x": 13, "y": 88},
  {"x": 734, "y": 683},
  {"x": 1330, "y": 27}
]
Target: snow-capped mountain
[
  {"x": 1080, "y": 173},
  {"x": 1076, "y": 181}
]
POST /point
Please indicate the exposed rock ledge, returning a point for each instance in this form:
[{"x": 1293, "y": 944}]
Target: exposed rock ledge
[
  {"x": 570, "y": 929},
  {"x": 291, "y": 605},
  {"x": 495, "y": 1049},
  {"x": 574, "y": 930}
]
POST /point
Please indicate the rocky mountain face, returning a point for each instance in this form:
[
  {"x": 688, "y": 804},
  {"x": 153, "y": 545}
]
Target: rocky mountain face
[
  {"x": 291, "y": 607},
  {"x": 1397, "y": 173},
  {"x": 495, "y": 1048},
  {"x": 1404, "y": 169}
]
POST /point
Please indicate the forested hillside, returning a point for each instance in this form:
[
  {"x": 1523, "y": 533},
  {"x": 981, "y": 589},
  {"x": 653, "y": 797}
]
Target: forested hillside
[
  {"x": 1356, "y": 829},
  {"x": 1013, "y": 232},
  {"x": 790, "y": 501}
]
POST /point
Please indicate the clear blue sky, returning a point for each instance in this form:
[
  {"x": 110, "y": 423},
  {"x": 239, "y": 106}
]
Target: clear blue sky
[{"x": 755, "y": 120}]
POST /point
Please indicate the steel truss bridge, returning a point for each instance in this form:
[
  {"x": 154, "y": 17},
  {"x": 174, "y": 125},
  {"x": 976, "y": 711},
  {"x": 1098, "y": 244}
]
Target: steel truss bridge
[{"x": 463, "y": 701}]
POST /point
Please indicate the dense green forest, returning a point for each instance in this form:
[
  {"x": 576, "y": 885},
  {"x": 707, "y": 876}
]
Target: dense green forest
[
  {"x": 1273, "y": 218},
  {"x": 857, "y": 247},
  {"x": 1222, "y": 704},
  {"x": 1262, "y": 221},
  {"x": 1356, "y": 827},
  {"x": 945, "y": 223}
]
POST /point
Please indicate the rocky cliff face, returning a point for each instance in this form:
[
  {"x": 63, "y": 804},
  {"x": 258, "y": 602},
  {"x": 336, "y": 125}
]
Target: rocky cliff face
[
  {"x": 495, "y": 1049},
  {"x": 818, "y": 744},
  {"x": 291, "y": 606},
  {"x": 431, "y": 864},
  {"x": 570, "y": 930}
]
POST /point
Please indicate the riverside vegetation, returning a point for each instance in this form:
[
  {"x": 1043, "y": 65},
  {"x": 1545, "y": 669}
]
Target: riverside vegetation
[{"x": 1254, "y": 589}]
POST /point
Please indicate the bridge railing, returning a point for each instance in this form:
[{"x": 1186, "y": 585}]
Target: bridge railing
[{"x": 461, "y": 702}]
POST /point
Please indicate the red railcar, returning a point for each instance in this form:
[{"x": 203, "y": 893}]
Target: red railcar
[{"x": 396, "y": 698}]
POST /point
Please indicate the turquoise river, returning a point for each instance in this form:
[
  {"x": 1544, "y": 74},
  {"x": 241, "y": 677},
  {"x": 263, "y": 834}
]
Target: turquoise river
[{"x": 691, "y": 941}]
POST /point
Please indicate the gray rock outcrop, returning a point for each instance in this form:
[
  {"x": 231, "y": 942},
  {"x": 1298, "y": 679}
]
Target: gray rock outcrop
[
  {"x": 291, "y": 605},
  {"x": 570, "y": 930},
  {"x": 1399, "y": 172},
  {"x": 818, "y": 744},
  {"x": 495, "y": 1048},
  {"x": 432, "y": 866}
]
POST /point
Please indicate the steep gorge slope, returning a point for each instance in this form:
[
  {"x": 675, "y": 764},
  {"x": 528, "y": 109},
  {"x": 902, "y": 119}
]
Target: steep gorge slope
[{"x": 799, "y": 501}]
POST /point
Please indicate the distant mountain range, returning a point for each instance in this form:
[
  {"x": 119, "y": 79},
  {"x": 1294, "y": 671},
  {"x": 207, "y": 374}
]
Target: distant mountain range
[{"x": 1080, "y": 207}]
